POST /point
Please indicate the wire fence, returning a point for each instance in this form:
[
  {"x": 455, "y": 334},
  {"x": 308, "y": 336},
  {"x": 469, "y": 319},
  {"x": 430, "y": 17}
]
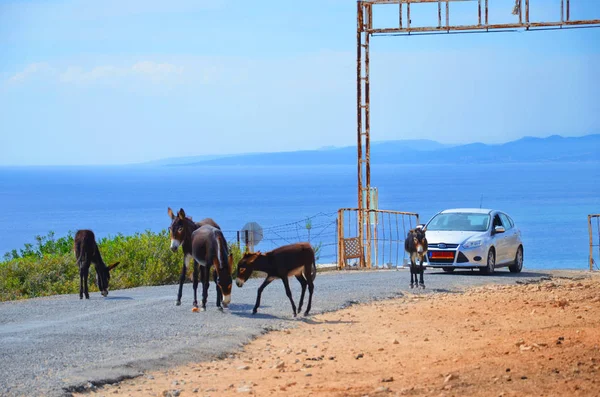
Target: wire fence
[
  {"x": 319, "y": 230},
  {"x": 387, "y": 231}
]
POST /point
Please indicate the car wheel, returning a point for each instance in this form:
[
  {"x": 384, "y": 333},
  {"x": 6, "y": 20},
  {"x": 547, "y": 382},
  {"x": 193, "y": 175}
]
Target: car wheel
[
  {"x": 448, "y": 269},
  {"x": 517, "y": 266},
  {"x": 491, "y": 262}
]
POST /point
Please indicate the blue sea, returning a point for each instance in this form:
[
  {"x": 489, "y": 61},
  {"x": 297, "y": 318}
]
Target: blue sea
[{"x": 549, "y": 202}]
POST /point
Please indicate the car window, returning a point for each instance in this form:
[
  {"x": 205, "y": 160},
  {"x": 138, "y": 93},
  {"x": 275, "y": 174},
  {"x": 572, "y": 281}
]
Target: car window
[
  {"x": 506, "y": 221},
  {"x": 497, "y": 221},
  {"x": 460, "y": 221}
]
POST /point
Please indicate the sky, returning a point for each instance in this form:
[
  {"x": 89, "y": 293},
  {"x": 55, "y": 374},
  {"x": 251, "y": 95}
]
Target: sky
[{"x": 129, "y": 81}]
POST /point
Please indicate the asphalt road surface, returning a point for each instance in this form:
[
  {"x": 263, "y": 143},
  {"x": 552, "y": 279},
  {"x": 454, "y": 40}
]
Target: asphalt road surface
[{"x": 55, "y": 345}]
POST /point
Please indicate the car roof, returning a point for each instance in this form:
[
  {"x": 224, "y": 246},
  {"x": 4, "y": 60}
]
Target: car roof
[{"x": 467, "y": 210}]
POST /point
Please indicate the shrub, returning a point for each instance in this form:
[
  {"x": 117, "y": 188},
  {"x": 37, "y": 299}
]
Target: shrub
[{"x": 50, "y": 267}]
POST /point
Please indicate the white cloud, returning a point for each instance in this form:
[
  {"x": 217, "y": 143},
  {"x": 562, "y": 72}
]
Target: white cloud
[
  {"x": 157, "y": 71},
  {"x": 28, "y": 72},
  {"x": 153, "y": 71}
]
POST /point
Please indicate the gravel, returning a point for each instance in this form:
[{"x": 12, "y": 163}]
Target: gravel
[{"x": 58, "y": 345}]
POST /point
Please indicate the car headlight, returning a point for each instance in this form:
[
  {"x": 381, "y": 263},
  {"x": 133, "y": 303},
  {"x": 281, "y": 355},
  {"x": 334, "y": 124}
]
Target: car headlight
[{"x": 472, "y": 244}]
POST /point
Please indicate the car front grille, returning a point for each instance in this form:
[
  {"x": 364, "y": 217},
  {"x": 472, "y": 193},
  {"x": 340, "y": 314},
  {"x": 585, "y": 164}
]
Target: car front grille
[{"x": 445, "y": 246}]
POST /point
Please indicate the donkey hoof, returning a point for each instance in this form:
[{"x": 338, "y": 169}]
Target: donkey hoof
[
  {"x": 220, "y": 308},
  {"x": 178, "y": 303},
  {"x": 422, "y": 286},
  {"x": 412, "y": 285},
  {"x": 254, "y": 311},
  {"x": 203, "y": 309},
  {"x": 305, "y": 314}
]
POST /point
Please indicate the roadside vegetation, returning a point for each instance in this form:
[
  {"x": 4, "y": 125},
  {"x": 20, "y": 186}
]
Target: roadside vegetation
[{"x": 49, "y": 266}]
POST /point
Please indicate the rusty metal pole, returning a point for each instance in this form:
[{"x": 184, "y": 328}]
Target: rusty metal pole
[
  {"x": 340, "y": 236},
  {"x": 486, "y": 12},
  {"x": 400, "y": 11},
  {"x": 568, "y": 11},
  {"x": 447, "y": 14},
  {"x": 591, "y": 260},
  {"x": 368, "y": 135},
  {"x": 479, "y": 12},
  {"x": 359, "y": 107}
]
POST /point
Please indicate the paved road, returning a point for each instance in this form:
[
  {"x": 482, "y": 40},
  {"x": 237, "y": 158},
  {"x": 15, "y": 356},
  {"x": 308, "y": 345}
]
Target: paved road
[{"x": 52, "y": 345}]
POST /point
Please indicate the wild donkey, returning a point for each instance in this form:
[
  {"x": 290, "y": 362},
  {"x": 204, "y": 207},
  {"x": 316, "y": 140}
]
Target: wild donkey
[
  {"x": 290, "y": 260},
  {"x": 86, "y": 252},
  {"x": 416, "y": 246},
  {"x": 204, "y": 244}
]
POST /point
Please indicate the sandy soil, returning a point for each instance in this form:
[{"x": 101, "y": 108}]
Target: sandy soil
[{"x": 539, "y": 339}]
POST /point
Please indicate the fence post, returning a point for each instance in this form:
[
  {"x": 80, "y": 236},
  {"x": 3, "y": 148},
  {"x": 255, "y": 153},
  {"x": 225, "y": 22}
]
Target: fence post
[{"x": 340, "y": 239}]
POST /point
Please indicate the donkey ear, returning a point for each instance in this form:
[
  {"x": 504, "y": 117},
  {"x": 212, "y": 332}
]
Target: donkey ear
[
  {"x": 181, "y": 213},
  {"x": 113, "y": 266},
  {"x": 171, "y": 214}
]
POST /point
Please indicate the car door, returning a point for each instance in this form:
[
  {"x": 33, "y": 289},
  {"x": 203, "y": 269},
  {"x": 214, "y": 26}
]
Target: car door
[
  {"x": 500, "y": 241},
  {"x": 511, "y": 237}
]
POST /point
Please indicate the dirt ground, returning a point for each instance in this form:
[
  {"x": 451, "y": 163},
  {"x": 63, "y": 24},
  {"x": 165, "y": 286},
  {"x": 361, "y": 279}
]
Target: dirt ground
[{"x": 539, "y": 339}]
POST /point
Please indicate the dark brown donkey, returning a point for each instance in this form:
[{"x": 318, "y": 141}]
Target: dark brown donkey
[
  {"x": 207, "y": 248},
  {"x": 87, "y": 252},
  {"x": 416, "y": 246},
  {"x": 290, "y": 260}
]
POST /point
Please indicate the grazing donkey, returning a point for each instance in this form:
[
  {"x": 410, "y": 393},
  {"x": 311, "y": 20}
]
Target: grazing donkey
[
  {"x": 290, "y": 260},
  {"x": 87, "y": 252},
  {"x": 416, "y": 246},
  {"x": 204, "y": 244}
]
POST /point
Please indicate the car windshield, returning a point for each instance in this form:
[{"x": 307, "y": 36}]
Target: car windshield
[{"x": 460, "y": 221}]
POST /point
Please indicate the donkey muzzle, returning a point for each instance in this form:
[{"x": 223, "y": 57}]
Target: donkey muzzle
[{"x": 226, "y": 300}]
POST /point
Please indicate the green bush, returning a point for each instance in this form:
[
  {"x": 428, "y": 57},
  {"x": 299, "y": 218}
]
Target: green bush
[{"x": 50, "y": 267}]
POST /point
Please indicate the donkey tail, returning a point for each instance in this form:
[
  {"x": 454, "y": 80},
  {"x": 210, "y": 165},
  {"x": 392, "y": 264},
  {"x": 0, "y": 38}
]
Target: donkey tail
[
  {"x": 314, "y": 266},
  {"x": 80, "y": 253}
]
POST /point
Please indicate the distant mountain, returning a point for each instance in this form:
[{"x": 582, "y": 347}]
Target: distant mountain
[
  {"x": 328, "y": 155},
  {"x": 529, "y": 149}
]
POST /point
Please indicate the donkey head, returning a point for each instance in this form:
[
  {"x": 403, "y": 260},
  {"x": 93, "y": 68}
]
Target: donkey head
[
  {"x": 103, "y": 277},
  {"x": 224, "y": 280},
  {"x": 179, "y": 229},
  {"x": 419, "y": 240},
  {"x": 245, "y": 267}
]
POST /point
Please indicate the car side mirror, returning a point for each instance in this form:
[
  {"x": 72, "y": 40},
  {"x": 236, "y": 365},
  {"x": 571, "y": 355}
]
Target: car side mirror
[{"x": 499, "y": 229}]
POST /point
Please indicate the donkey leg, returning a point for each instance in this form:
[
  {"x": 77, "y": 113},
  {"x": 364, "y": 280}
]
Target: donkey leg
[
  {"x": 204, "y": 276},
  {"x": 303, "y": 283},
  {"x": 80, "y": 283},
  {"x": 219, "y": 292},
  {"x": 85, "y": 271},
  {"x": 288, "y": 292},
  {"x": 311, "y": 287},
  {"x": 421, "y": 271},
  {"x": 195, "y": 283},
  {"x": 181, "y": 280},
  {"x": 259, "y": 293},
  {"x": 412, "y": 273}
]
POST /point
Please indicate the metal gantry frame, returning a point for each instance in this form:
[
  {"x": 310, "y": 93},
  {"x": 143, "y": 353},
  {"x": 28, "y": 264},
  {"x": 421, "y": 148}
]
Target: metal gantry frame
[
  {"x": 591, "y": 233},
  {"x": 365, "y": 30}
]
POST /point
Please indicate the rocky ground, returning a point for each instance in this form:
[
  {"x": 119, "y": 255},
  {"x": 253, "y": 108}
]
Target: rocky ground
[{"x": 540, "y": 338}]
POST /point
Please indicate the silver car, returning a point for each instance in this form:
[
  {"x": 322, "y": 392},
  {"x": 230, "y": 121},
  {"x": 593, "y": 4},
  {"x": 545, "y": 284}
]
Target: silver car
[{"x": 473, "y": 238}]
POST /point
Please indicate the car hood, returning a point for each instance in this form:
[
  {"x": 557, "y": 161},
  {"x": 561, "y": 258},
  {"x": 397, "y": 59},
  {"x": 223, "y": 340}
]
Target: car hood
[{"x": 451, "y": 237}]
